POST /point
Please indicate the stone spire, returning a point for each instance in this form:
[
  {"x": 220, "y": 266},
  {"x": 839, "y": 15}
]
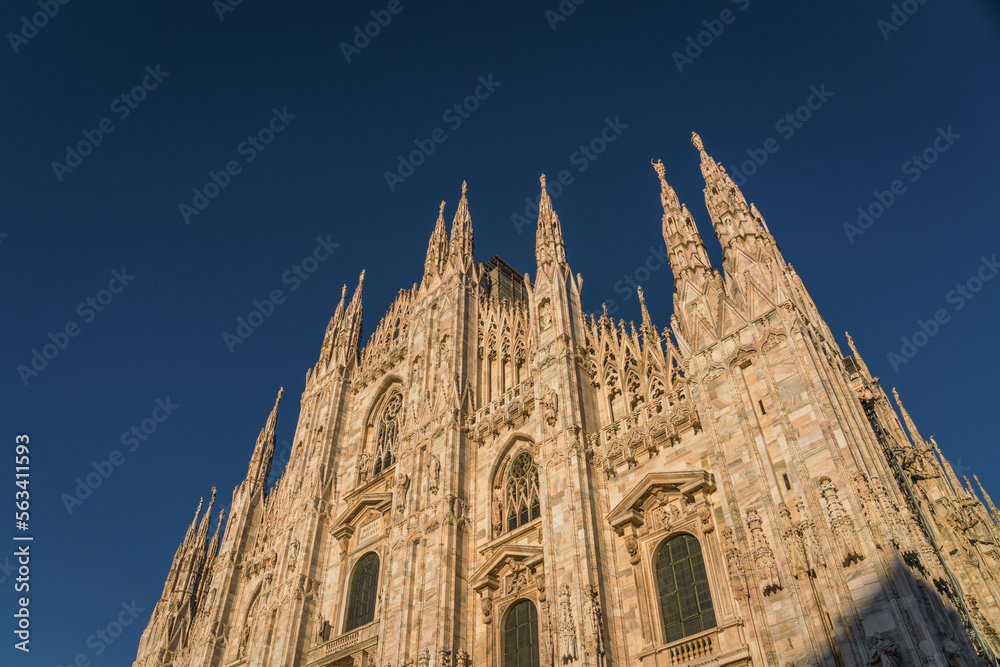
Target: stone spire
[
  {"x": 203, "y": 528},
  {"x": 213, "y": 546},
  {"x": 989, "y": 502},
  {"x": 462, "y": 244},
  {"x": 192, "y": 529},
  {"x": 549, "y": 245},
  {"x": 437, "y": 248},
  {"x": 858, "y": 359},
  {"x": 353, "y": 321},
  {"x": 685, "y": 249},
  {"x": 731, "y": 214},
  {"x": 260, "y": 463},
  {"x": 910, "y": 426},
  {"x": 948, "y": 471}
]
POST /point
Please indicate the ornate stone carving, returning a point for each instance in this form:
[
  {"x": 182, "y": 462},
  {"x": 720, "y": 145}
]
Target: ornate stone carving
[
  {"x": 433, "y": 473},
  {"x": 549, "y": 403},
  {"x": 399, "y": 492},
  {"x": 567, "y": 629},
  {"x": 848, "y": 547},
  {"x": 595, "y": 619},
  {"x": 762, "y": 556}
]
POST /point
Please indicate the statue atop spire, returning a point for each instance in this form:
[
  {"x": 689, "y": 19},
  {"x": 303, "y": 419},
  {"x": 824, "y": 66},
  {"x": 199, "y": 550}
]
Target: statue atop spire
[
  {"x": 462, "y": 244},
  {"x": 549, "y": 244}
]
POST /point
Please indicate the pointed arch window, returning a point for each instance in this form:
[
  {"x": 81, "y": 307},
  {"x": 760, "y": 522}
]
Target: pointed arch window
[
  {"x": 364, "y": 586},
  {"x": 521, "y": 492},
  {"x": 520, "y": 636},
  {"x": 685, "y": 600},
  {"x": 387, "y": 433}
]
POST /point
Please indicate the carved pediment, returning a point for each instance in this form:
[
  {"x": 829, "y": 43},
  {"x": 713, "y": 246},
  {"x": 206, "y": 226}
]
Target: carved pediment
[
  {"x": 687, "y": 483},
  {"x": 344, "y": 526},
  {"x": 487, "y": 576}
]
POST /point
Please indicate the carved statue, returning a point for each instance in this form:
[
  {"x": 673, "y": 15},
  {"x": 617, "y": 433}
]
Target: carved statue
[
  {"x": 433, "y": 473},
  {"x": 497, "y": 516},
  {"x": 919, "y": 462},
  {"x": 399, "y": 491},
  {"x": 462, "y": 659},
  {"x": 550, "y": 405},
  {"x": 363, "y": 467}
]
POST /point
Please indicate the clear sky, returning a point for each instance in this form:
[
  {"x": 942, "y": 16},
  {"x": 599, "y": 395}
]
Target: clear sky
[{"x": 309, "y": 121}]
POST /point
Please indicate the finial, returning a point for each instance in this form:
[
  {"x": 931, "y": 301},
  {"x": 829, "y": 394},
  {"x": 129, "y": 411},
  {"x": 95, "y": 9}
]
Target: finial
[
  {"x": 361, "y": 278},
  {"x": 661, "y": 171},
  {"x": 642, "y": 298},
  {"x": 343, "y": 292},
  {"x": 696, "y": 140},
  {"x": 441, "y": 209},
  {"x": 464, "y": 187},
  {"x": 542, "y": 179}
]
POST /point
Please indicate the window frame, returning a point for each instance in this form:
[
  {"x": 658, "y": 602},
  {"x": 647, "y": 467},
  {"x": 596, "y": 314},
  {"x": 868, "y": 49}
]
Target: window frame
[
  {"x": 351, "y": 590},
  {"x": 533, "y": 618},
  {"x": 712, "y": 609}
]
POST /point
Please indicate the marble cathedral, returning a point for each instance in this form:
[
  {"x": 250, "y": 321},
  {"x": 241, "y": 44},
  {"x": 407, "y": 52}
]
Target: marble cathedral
[{"x": 497, "y": 479}]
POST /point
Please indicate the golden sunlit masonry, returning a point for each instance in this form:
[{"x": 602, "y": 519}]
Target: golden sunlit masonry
[{"x": 498, "y": 479}]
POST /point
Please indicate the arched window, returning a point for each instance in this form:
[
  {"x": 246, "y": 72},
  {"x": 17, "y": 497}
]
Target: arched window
[
  {"x": 685, "y": 601},
  {"x": 388, "y": 431},
  {"x": 521, "y": 492},
  {"x": 520, "y": 636},
  {"x": 364, "y": 586}
]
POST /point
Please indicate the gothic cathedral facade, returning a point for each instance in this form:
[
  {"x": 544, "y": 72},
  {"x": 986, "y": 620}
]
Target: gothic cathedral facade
[{"x": 496, "y": 479}]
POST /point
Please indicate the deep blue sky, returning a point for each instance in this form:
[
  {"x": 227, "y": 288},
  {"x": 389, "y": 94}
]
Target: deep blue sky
[{"x": 323, "y": 175}]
